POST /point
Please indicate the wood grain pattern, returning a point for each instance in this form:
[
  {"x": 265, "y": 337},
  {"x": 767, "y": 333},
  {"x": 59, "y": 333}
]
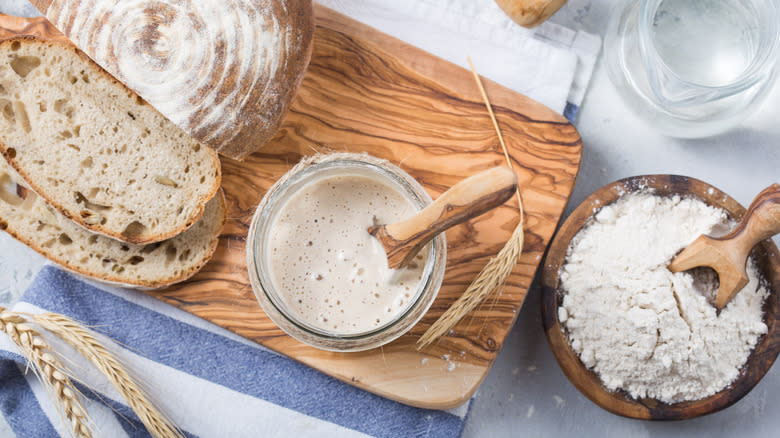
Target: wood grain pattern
[
  {"x": 762, "y": 219},
  {"x": 588, "y": 382},
  {"x": 728, "y": 255},
  {"x": 12, "y": 26},
  {"x": 366, "y": 91},
  {"x": 467, "y": 199},
  {"x": 223, "y": 71}
]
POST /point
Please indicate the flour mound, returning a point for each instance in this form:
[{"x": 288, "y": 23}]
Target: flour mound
[{"x": 642, "y": 328}]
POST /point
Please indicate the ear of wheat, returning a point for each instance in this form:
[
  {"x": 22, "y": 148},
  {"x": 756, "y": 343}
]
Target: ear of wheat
[
  {"x": 49, "y": 370},
  {"x": 497, "y": 269},
  {"x": 87, "y": 344}
]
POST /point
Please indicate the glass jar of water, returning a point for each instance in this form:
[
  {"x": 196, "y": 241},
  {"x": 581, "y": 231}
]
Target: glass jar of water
[{"x": 693, "y": 68}]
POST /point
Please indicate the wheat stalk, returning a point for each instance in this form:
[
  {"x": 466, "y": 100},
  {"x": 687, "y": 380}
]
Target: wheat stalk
[
  {"x": 49, "y": 371},
  {"x": 497, "y": 269},
  {"x": 85, "y": 342}
]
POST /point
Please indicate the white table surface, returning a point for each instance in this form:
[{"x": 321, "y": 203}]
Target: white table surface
[{"x": 526, "y": 394}]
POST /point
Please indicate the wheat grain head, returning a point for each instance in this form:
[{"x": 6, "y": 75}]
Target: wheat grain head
[
  {"x": 49, "y": 370},
  {"x": 87, "y": 344}
]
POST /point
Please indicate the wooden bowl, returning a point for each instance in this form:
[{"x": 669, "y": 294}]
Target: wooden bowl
[{"x": 588, "y": 382}]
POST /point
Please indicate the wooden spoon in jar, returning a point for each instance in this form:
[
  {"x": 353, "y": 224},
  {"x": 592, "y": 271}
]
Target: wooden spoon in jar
[
  {"x": 728, "y": 255},
  {"x": 469, "y": 198}
]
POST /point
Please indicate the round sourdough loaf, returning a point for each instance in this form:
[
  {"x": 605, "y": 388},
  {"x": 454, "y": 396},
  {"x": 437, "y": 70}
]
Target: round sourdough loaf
[{"x": 224, "y": 71}]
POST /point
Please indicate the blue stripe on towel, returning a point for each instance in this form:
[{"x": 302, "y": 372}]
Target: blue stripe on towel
[
  {"x": 570, "y": 112},
  {"x": 132, "y": 427},
  {"x": 18, "y": 403},
  {"x": 253, "y": 371},
  {"x": 125, "y": 416}
]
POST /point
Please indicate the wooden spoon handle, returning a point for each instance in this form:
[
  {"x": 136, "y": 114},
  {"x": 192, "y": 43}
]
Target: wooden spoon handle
[
  {"x": 469, "y": 198},
  {"x": 761, "y": 221}
]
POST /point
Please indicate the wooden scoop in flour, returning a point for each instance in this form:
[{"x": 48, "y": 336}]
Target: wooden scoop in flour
[
  {"x": 469, "y": 198},
  {"x": 728, "y": 255}
]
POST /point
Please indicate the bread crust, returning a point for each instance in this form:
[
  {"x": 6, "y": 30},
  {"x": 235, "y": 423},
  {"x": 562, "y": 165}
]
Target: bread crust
[
  {"x": 274, "y": 110},
  {"x": 115, "y": 280},
  {"x": 246, "y": 127},
  {"x": 196, "y": 213}
]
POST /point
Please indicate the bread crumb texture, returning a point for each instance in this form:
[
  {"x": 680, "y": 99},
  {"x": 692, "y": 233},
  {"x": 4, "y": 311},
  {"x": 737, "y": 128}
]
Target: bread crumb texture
[
  {"x": 642, "y": 328},
  {"x": 95, "y": 150},
  {"x": 31, "y": 220}
]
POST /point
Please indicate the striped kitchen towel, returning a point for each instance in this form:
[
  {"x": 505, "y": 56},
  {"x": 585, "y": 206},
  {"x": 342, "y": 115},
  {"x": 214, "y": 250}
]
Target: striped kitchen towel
[{"x": 211, "y": 382}]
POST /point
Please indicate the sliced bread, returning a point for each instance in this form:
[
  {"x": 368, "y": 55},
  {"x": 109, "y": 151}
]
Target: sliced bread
[
  {"x": 94, "y": 150},
  {"x": 29, "y": 219}
]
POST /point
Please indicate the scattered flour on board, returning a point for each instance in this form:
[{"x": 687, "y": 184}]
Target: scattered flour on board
[
  {"x": 642, "y": 328},
  {"x": 450, "y": 364}
]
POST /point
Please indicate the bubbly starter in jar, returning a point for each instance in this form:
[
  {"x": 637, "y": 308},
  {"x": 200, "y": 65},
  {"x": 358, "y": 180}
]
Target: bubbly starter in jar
[{"x": 329, "y": 271}]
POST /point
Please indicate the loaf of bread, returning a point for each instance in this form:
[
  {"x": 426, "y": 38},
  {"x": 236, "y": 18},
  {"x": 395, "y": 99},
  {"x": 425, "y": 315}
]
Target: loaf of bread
[
  {"x": 224, "y": 71},
  {"x": 29, "y": 219},
  {"x": 94, "y": 150}
]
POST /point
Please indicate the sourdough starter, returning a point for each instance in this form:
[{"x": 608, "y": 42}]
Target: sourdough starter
[
  {"x": 330, "y": 272},
  {"x": 642, "y": 328}
]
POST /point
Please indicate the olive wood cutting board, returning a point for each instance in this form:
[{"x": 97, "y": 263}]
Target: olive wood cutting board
[{"x": 368, "y": 92}]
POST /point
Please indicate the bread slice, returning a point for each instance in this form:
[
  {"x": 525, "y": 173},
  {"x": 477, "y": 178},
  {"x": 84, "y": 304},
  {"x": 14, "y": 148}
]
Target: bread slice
[
  {"x": 29, "y": 219},
  {"x": 94, "y": 150}
]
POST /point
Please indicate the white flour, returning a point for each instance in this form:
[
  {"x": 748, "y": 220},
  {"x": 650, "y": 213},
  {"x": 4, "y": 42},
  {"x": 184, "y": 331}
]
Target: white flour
[{"x": 642, "y": 328}]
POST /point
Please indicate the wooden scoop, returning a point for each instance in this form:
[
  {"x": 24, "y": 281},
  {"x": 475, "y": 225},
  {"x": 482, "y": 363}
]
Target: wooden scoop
[
  {"x": 469, "y": 198},
  {"x": 728, "y": 255}
]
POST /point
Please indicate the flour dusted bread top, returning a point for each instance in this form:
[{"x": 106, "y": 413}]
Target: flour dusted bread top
[
  {"x": 29, "y": 219},
  {"x": 96, "y": 151},
  {"x": 224, "y": 71}
]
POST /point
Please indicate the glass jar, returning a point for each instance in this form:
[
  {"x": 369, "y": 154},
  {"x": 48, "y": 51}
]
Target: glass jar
[
  {"x": 693, "y": 68},
  {"x": 258, "y": 253}
]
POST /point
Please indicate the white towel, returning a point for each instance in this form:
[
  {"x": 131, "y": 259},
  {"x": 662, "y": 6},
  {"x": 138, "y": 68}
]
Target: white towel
[{"x": 550, "y": 63}]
